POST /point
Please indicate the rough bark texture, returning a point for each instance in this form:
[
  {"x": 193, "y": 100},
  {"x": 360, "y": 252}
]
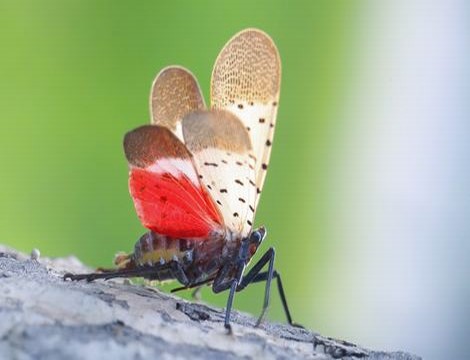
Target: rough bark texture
[{"x": 44, "y": 317}]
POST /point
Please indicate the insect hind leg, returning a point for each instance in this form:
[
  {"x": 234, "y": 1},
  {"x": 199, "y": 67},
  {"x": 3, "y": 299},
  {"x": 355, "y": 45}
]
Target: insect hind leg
[
  {"x": 107, "y": 274},
  {"x": 255, "y": 275},
  {"x": 262, "y": 276}
]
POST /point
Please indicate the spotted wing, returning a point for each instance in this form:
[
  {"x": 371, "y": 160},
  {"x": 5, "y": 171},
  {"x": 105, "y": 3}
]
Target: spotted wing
[
  {"x": 175, "y": 92},
  {"x": 168, "y": 196},
  {"x": 246, "y": 81},
  {"x": 222, "y": 153}
]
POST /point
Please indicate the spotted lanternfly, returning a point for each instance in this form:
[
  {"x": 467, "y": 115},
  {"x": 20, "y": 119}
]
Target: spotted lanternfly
[{"x": 196, "y": 174}]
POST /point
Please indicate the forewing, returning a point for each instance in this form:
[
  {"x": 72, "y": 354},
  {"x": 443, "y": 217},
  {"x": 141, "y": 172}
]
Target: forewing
[
  {"x": 175, "y": 92},
  {"x": 246, "y": 82},
  {"x": 168, "y": 196},
  {"x": 222, "y": 154}
]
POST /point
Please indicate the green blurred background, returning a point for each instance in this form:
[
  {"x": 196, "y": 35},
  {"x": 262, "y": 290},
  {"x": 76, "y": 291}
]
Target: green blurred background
[{"x": 76, "y": 75}]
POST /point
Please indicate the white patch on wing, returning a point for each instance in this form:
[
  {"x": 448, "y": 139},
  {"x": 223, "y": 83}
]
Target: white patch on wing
[
  {"x": 179, "y": 131},
  {"x": 175, "y": 167}
]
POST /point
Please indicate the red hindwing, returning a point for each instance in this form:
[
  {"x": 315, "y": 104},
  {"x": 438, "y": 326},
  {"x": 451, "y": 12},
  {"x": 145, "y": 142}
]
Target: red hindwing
[{"x": 164, "y": 185}]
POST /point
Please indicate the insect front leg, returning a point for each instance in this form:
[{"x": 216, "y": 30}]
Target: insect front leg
[
  {"x": 268, "y": 257},
  {"x": 221, "y": 283}
]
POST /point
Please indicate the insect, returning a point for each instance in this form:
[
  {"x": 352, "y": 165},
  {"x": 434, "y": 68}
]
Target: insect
[{"x": 196, "y": 174}]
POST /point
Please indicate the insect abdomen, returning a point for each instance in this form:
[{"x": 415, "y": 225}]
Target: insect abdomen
[{"x": 156, "y": 249}]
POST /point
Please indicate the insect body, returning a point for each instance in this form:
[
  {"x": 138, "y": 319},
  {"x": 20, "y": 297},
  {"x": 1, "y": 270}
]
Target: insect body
[{"x": 196, "y": 174}]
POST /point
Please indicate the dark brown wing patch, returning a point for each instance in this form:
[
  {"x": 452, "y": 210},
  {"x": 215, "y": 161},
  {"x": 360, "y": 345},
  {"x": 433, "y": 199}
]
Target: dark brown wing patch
[{"x": 146, "y": 144}]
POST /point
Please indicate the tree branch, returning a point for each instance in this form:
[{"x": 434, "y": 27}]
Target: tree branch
[{"x": 42, "y": 316}]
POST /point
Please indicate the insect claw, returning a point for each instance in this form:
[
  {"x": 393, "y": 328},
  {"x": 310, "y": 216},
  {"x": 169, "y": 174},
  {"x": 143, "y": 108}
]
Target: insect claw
[
  {"x": 261, "y": 318},
  {"x": 228, "y": 327},
  {"x": 67, "y": 276},
  {"x": 79, "y": 277}
]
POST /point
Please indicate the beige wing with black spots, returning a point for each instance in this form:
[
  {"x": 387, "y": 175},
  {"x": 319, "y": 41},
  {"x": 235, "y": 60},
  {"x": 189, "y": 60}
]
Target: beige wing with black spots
[
  {"x": 246, "y": 81},
  {"x": 222, "y": 154}
]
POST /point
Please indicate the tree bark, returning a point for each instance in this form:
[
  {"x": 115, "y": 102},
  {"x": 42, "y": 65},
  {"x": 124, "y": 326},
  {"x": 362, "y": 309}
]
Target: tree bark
[{"x": 44, "y": 317}]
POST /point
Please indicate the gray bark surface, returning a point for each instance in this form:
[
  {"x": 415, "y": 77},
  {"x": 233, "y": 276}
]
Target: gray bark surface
[{"x": 44, "y": 317}]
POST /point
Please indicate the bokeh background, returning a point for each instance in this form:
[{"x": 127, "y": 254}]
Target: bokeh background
[{"x": 367, "y": 197}]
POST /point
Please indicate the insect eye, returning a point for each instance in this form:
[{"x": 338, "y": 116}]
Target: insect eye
[{"x": 256, "y": 236}]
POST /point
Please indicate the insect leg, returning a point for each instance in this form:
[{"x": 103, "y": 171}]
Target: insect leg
[
  {"x": 191, "y": 286},
  {"x": 268, "y": 257},
  {"x": 109, "y": 274},
  {"x": 221, "y": 284},
  {"x": 178, "y": 272},
  {"x": 262, "y": 276},
  {"x": 228, "y": 310}
]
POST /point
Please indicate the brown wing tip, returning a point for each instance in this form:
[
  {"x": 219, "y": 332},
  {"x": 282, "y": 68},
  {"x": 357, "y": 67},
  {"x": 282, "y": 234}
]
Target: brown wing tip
[
  {"x": 146, "y": 144},
  {"x": 173, "y": 71},
  {"x": 248, "y": 68},
  {"x": 254, "y": 33},
  {"x": 175, "y": 91}
]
